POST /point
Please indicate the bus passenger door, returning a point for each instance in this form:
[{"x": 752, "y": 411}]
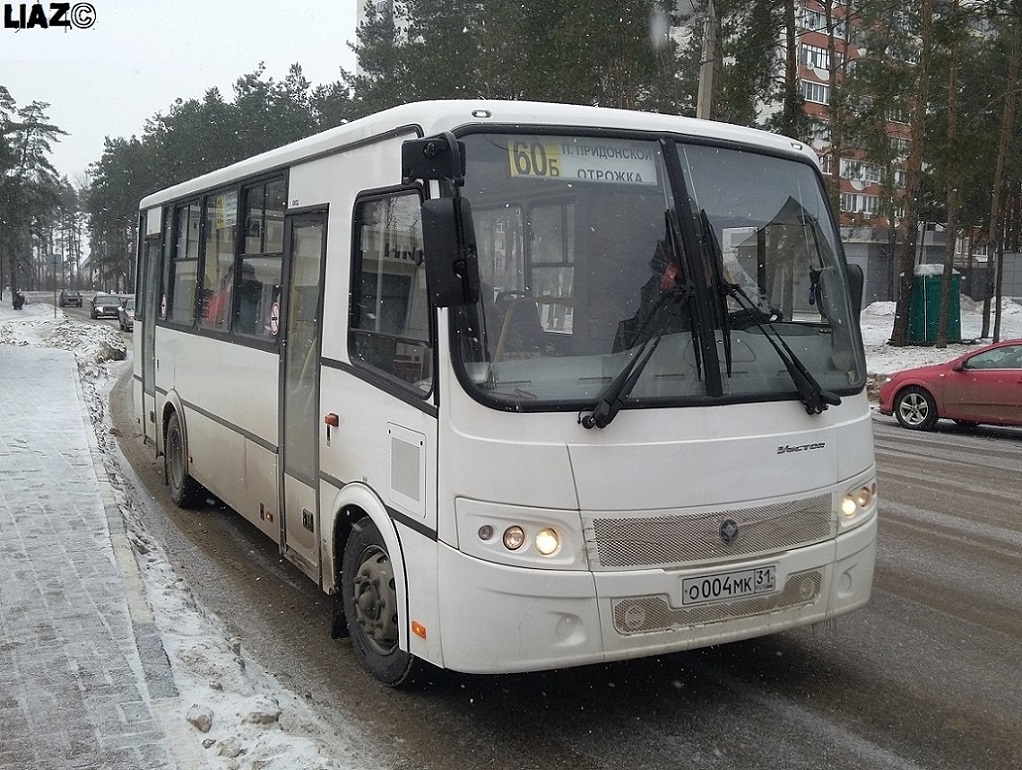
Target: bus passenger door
[
  {"x": 146, "y": 408},
  {"x": 305, "y": 244}
]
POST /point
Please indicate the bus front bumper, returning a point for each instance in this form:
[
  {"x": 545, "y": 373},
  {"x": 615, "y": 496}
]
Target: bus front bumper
[{"x": 501, "y": 619}]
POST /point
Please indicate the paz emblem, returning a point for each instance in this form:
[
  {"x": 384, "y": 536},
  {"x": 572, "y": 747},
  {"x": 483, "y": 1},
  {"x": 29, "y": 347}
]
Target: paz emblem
[{"x": 728, "y": 531}]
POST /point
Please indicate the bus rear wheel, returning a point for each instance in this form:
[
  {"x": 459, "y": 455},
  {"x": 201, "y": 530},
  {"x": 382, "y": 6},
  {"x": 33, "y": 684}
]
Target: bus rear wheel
[
  {"x": 184, "y": 490},
  {"x": 370, "y": 600}
]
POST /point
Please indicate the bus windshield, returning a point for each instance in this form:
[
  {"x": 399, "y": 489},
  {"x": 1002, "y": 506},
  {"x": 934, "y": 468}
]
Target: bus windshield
[{"x": 593, "y": 254}]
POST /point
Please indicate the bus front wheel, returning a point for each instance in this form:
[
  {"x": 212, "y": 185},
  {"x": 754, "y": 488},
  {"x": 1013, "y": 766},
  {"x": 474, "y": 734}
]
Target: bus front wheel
[
  {"x": 369, "y": 594},
  {"x": 183, "y": 488}
]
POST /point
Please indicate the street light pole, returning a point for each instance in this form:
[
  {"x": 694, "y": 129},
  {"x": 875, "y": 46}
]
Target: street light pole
[{"x": 704, "y": 95}]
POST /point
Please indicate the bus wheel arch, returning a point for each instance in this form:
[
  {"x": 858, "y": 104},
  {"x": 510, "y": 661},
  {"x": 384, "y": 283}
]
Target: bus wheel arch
[
  {"x": 183, "y": 488},
  {"x": 370, "y": 588},
  {"x": 343, "y": 523}
]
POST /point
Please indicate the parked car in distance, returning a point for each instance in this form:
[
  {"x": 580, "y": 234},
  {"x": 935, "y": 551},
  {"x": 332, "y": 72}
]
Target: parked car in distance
[
  {"x": 126, "y": 314},
  {"x": 983, "y": 386},
  {"x": 70, "y": 298},
  {"x": 105, "y": 306}
]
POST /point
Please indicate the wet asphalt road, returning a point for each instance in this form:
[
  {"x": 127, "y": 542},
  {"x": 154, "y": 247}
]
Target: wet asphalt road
[{"x": 928, "y": 675}]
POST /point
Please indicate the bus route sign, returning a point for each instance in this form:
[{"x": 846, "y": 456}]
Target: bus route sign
[{"x": 614, "y": 161}]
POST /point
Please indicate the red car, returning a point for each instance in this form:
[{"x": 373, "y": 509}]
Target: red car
[{"x": 984, "y": 386}]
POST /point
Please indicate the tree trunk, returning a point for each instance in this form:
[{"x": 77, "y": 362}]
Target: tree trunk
[
  {"x": 954, "y": 176},
  {"x": 913, "y": 174},
  {"x": 996, "y": 240},
  {"x": 792, "y": 109}
]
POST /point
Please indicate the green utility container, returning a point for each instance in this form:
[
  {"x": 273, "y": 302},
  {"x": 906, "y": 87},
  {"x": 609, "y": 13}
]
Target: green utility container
[{"x": 924, "y": 315}]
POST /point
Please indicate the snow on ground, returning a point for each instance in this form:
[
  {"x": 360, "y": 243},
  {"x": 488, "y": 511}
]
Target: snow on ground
[
  {"x": 256, "y": 722},
  {"x": 881, "y": 358},
  {"x": 251, "y": 721}
]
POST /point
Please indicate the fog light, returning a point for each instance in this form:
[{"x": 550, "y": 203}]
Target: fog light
[
  {"x": 485, "y": 532},
  {"x": 547, "y": 541},
  {"x": 849, "y": 506},
  {"x": 514, "y": 538}
]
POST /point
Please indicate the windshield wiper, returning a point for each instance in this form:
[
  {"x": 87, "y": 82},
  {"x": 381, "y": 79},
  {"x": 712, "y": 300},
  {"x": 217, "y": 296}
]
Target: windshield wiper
[
  {"x": 717, "y": 260},
  {"x": 676, "y": 290},
  {"x": 614, "y": 395},
  {"x": 812, "y": 395}
]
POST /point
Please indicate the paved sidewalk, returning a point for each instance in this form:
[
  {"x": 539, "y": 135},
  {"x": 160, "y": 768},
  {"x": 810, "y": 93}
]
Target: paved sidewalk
[{"x": 84, "y": 679}]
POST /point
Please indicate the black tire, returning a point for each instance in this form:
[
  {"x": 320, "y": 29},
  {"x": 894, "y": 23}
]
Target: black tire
[
  {"x": 370, "y": 601},
  {"x": 184, "y": 490},
  {"x": 915, "y": 409}
]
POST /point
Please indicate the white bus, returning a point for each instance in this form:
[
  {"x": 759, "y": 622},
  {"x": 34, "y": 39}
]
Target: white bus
[{"x": 524, "y": 386}]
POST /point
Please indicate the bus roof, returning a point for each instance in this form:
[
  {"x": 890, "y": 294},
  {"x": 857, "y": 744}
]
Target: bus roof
[{"x": 433, "y": 117}]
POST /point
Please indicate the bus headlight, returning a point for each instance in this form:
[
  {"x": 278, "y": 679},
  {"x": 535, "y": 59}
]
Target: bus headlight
[
  {"x": 520, "y": 536},
  {"x": 547, "y": 541},
  {"x": 849, "y": 507},
  {"x": 514, "y": 538},
  {"x": 858, "y": 502},
  {"x": 865, "y": 496}
]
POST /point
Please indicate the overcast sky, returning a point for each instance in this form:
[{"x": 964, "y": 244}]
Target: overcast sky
[{"x": 141, "y": 55}]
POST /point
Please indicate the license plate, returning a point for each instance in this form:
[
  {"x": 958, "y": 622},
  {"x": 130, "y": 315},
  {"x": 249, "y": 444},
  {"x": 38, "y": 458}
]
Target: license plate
[{"x": 729, "y": 585}]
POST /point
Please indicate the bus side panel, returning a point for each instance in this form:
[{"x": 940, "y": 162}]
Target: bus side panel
[
  {"x": 259, "y": 496},
  {"x": 140, "y": 408},
  {"x": 388, "y": 445},
  {"x": 421, "y": 570},
  {"x": 230, "y": 420},
  {"x": 217, "y": 456}
]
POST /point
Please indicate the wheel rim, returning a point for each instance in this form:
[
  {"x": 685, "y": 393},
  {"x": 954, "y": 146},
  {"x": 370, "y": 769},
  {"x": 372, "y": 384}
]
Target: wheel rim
[
  {"x": 375, "y": 600},
  {"x": 175, "y": 459},
  {"x": 913, "y": 408}
]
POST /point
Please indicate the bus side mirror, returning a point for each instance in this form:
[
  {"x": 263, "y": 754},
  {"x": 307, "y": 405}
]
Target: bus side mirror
[
  {"x": 856, "y": 279},
  {"x": 435, "y": 157},
  {"x": 449, "y": 245}
]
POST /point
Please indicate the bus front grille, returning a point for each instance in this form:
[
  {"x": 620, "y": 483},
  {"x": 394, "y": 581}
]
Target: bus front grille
[
  {"x": 682, "y": 539},
  {"x": 654, "y": 613}
]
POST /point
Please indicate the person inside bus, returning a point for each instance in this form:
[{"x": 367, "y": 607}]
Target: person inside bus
[{"x": 662, "y": 307}]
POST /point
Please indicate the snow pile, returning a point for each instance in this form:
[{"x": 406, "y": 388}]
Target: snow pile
[
  {"x": 37, "y": 325},
  {"x": 238, "y": 714}
]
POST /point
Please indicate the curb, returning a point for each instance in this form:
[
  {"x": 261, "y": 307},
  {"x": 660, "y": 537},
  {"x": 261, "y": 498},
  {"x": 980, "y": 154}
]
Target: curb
[{"x": 155, "y": 664}]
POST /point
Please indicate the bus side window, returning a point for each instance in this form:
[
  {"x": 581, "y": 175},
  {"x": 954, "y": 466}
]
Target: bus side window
[
  {"x": 261, "y": 262},
  {"x": 390, "y": 328}
]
